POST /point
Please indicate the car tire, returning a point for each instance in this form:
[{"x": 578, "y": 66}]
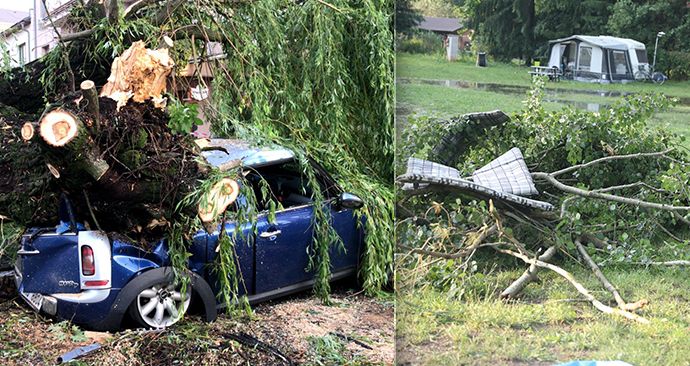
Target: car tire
[{"x": 160, "y": 304}]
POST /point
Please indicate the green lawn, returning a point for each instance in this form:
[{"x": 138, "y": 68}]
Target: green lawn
[
  {"x": 436, "y": 67},
  {"x": 549, "y": 324},
  {"x": 418, "y": 98}
]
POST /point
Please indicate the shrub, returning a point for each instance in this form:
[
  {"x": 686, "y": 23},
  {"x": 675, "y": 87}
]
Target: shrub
[
  {"x": 676, "y": 65},
  {"x": 421, "y": 42}
]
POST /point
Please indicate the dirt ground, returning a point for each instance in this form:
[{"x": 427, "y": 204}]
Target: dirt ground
[{"x": 355, "y": 330}]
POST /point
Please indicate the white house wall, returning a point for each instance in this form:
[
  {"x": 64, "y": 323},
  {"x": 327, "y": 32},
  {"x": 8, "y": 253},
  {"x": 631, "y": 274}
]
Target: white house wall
[{"x": 12, "y": 44}]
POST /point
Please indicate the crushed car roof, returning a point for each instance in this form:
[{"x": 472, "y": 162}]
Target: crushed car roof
[{"x": 224, "y": 151}]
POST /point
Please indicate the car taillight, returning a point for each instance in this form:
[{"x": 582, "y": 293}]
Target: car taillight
[
  {"x": 88, "y": 266},
  {"x": 95, "y": 283}
]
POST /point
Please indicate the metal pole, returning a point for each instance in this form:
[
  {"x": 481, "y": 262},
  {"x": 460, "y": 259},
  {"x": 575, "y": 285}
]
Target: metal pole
[{"x": 656, "y": 43}]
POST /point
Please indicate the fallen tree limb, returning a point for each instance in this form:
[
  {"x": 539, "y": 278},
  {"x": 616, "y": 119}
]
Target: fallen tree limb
[
  {"x": 605, "y": 282},
  {"x": 528, "y": 276},
  {"x": 605, "y": 196},
  {"x": 581, "y": 289},
  {"x": 609, "y": 158},
  {"x": 612, "y": 188},
  {"x": 88, "y": 90},
  {"x": 667, "y": 263},
  {"x": 460, "y": 254}
]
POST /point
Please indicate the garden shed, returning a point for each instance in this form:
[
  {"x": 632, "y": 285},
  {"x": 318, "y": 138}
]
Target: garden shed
[{"x": 601, "y": 59}]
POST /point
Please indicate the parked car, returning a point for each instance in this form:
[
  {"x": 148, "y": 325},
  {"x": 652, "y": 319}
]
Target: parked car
[{"x": 98, "y": 280}]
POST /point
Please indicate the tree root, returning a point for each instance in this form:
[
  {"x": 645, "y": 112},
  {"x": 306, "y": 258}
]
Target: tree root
[{"x": 581, "y": 289}]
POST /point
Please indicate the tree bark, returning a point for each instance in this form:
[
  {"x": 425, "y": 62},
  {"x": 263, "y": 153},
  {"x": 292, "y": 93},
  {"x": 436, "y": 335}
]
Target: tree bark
[
  {"x": 528, "y": 276},
  {"x": 88, "y": 90}
]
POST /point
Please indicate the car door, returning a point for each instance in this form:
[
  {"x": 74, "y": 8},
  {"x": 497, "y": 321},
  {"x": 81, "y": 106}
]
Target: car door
[
  {"x": 282, "y": 249},
  {"x": 245, "y": 259}
]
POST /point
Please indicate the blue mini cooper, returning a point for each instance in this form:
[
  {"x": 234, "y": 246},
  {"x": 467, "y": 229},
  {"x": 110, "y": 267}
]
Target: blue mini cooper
[{"x": 99, "y": 280}]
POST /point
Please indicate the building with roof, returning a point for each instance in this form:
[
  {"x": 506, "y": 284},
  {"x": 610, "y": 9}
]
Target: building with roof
[
  {"x": 446, "y": 27},
  {"x": 10, "y": 17}
]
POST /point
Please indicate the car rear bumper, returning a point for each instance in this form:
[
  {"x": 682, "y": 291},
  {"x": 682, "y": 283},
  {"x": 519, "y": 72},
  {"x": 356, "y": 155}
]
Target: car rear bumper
[{"x": 85, "y": 307}]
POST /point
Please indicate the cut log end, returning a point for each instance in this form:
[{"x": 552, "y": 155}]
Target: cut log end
[
  {"x": 28, "y": 131},
  {"x": 166, "y": 42},
  {"x": 58, "y": 128},
  {"x": 53, "y": 170},
  {"x": 221, "y": 195},
  {"x": 87, "y": 85}
]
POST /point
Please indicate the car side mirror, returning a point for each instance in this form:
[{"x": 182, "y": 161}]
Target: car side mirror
[{"x": 349, "y": 200}]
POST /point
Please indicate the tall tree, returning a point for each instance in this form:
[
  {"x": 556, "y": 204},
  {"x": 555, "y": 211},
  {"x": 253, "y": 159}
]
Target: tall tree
[
  {"x": 406, "y": 17},
  {"x": 505, "y": 28}
]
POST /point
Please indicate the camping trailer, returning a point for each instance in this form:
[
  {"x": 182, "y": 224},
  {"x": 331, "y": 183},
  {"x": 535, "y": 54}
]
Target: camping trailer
[{"x": 602, "y": 59}]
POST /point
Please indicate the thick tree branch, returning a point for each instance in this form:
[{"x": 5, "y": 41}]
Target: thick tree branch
[
  {"x": 581, "y": 289},
  {"x": 609, "y": 158},
  {"x": 528, "y": 276},
  {"x": 605, "y": 196}
]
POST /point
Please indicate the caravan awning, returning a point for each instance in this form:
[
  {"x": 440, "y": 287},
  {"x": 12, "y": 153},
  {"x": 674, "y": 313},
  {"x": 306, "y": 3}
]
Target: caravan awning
[{"x": 604, "y": 42}]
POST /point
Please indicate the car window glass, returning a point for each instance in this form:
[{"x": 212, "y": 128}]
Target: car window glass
[{"x": 286, "y": 182}]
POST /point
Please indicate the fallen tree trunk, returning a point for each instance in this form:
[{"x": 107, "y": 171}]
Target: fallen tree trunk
[{"x": 118, "y": 160}]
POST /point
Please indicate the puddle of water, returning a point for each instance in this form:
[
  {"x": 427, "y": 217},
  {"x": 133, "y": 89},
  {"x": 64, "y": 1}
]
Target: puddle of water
[{"x": 549, "y": 93}]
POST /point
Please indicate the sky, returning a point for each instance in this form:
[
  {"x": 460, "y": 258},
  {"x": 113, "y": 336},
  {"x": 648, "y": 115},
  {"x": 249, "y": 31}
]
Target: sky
[{"x": 21, "y": 5}]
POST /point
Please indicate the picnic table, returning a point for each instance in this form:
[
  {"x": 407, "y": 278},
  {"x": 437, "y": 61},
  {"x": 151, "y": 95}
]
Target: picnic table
[{"x": 554, "y": 73}]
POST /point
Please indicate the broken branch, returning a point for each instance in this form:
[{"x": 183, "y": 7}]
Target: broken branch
[
  {"x": 581, "y": 289},
  {"x": 605, "y": 282},
  {"x": 88, "y": 90},
  {"x": 609, "y": 158},
  {"x": 528, "y": 276},
  {"x": 605, "y": 196}
]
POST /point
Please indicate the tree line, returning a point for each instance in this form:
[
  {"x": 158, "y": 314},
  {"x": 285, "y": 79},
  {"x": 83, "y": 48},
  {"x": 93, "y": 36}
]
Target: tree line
[{"x": 509, "y": 29}]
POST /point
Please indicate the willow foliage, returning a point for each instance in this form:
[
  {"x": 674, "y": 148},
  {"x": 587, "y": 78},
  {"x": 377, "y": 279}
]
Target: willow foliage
[
  {"x": 317, "y": 78},
  {"x": 314, "y": 76}
]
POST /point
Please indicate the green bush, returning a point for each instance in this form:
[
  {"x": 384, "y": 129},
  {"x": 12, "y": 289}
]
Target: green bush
[
  {"x": 676, "y": 65},
  {"x": 421, "y": 42}
]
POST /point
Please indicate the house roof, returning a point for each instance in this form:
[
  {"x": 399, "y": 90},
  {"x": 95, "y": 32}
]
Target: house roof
[
  {"x": 16, "y": 26},
  {"x": 446, "y": 25},
  {"x": 604, "y": 42},
  {"x": 10, "y": 17}
]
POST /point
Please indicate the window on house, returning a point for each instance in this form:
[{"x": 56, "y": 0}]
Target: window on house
[
  {"x": 585, "y": 58},
  {"x": 21, "y": 50}
]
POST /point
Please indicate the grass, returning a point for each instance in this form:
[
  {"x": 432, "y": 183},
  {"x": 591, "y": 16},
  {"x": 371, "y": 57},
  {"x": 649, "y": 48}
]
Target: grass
[
  {"x": 436, "y": 67},
  {"x": 548, "y": 324},
  {"x": 442, "y": 101}
]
